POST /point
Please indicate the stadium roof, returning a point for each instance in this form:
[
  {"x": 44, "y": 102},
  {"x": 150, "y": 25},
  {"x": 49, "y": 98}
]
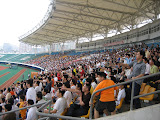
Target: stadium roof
[{"x": 68, "y": 20}]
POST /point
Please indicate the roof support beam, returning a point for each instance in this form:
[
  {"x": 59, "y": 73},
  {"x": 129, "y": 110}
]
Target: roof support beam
[{"x": 94, "y": 7}]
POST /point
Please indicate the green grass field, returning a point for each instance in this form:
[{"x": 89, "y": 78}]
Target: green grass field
[{"x": 14, "y": 72}]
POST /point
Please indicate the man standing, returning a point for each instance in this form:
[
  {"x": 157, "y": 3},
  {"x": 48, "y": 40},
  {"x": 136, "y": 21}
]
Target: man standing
[
  {"x": 107, "y": 99},
  {"x": 31, "y": 93},
  {"x": 138, "y": 71}
]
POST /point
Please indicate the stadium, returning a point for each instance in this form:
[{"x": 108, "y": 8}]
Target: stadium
[{"x": 91, "y": 59}]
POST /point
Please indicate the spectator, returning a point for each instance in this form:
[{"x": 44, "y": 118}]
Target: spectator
[
  {"x": 82, "y": 107},
  {"x": 39, "y": 98},
  {"x": 67, "y": 95},
  {"x": 138, "y": 71},
  {"x": 31, "y": 93},
  {"x": 47, "y": 95},
  {"x": 1, "y": 112},
  {"x": 60, "y": 104},
  {"x": 31, "y": 115},
  {"x": 10, "y": 116},
  {"x": 121, "y": 94},
  {"x": 146, "y": 61},
  {"x": 14, "y": 107},
  {"x": 37, "y": 87},
  {"x": 21, "y": 104},
  {"x": 107, "y": 100},
  {"x": 8, "y": 95}
]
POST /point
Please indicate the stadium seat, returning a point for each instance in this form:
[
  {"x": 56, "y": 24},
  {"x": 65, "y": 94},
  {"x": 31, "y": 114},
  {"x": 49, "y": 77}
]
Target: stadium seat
[
  {"x": 64, "y": 112},
  {"x": 149, "y": 97},
  {"x": 120, "y": 105},
  {"x": 86, "y": 116},
  {"x": 145, "y": 90},
  {"x": 142, "y": 87}
]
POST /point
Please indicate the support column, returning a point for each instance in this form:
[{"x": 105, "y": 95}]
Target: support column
[
  {"x": 50, "y": 49},
  {"x": 35, "y": 50},
  {"x": 91, "y": 36}
]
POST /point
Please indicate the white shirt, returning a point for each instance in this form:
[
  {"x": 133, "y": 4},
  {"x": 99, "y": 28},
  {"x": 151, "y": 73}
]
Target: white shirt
[
  {"x": 31, "y": 115},
  {"x": 37, "y": 89},
  {"x": 60, "y": 105},
  {"x": 41, "y": 101},
  {"x": 94, "y": 85},
  {"x": 31, "y": 94},
  {"x": 121, "y": 94},
  {"x": 55, "y": 79},
  {"x": 68, "y": 96},
  {"x": 14, "y": 107},
  {"x": 73, "y": 93},
  {"x": 147, "y": 71},
  {"x": 48, "y": 96}
]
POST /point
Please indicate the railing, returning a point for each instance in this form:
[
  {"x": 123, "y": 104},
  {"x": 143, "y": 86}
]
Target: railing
[
  {"x": 22, "y": 108},
  {"x": 47, "y": 116},
  {"x": 132, "y": 92}
]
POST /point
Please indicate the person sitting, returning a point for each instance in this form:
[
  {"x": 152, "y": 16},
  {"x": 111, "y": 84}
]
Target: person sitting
[
  {"x": 46, "y": 94},
  {"x": 31, "y": 115},
  {"x": 21, "y": 104},
  {"x": 10, "y": 116},
  {"x": 67, "y": 95},
  {"x": 60, "y": 104},
  {"x": 39, "y": 98},
  {"x": 14, "y": 107},
  {"x": 81, "y": 108},
  {"x": 121, "y": 94},
  {"x": 37, "y": 87}
]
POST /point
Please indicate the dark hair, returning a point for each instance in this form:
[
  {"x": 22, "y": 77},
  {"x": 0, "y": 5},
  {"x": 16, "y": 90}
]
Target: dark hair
[
  {"x": 9, "y": 89},
  {"x": 22, "y": 86},
  {"x": 127, "y": 54},
  {"x": 30, "y": 82},
  {"x": 0, "y": 108},
  {"x": 49, "y": 78},
  {"x": 74, "y": 82},
  {"x": 2, "y": 91},
  {"x": 153, "y": 60},
  {"x": 102, "y": 74},
  {"x": 65, "y": 76},
  {"x": 46, "y": 90},
  {"x": 89, "y": 80},
  {"x": 30, "y": 102},
  {"x": 61, "y": 91},
  {"x": 8, "y": 107},
  {"x": 13, "y": 89},
  {"x": 146, "y": 59},
  {"x": 142, "y": 53},
  {"x": 11, "y": 101},
  {"x": 88, "y": 86},
  {"x": 59, "y": 84},
  {"x": 3, "y": 99},
  {"x": 38, "y": 83},
  {"x": 67, "y": 84},
  {"x": 79, "y": 85},
  {"x": 22, "y": 97},
  {"x": 39, "y": 94}
]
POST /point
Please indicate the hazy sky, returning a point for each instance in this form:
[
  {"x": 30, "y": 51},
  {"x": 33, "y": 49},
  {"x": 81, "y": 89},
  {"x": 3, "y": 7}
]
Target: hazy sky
[{"x": 19, "y": 16}]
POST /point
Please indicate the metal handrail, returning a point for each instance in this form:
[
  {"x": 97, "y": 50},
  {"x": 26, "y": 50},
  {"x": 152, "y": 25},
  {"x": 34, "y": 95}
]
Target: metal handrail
[
  {"x": 54, "y": 115},
  {"x": 132, "y": 93},
  {"x": 22, "y": 108}
]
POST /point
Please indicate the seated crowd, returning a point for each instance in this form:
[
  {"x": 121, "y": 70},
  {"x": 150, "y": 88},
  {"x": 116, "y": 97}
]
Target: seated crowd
[{"x": 70, "y": 85}]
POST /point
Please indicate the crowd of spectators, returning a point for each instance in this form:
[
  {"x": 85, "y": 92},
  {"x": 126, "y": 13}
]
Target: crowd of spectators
[{"x": 70, "y": 81}]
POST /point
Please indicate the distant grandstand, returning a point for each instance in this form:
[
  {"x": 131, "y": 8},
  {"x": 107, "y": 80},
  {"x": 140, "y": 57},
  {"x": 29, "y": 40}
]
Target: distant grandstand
[{"x": 87, "y": 41}]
